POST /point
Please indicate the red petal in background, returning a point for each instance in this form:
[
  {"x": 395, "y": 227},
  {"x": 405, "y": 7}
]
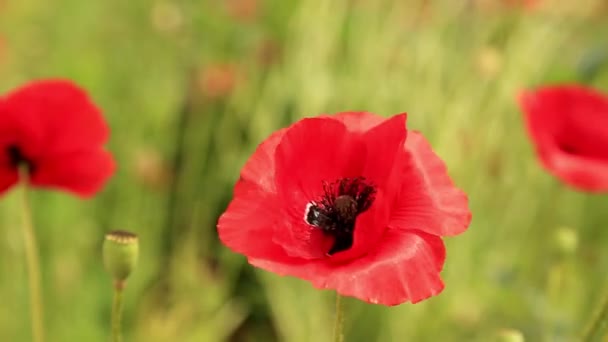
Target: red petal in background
[
  {"x": 83, "y": 173},
  {"x": 68, "y": 119},
  {"x": 569, "y": 127},
  {"x": 60, "y": 132}
]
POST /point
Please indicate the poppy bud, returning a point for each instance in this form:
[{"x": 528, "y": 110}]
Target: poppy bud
[
  {"x": 120, "y": 251},
  {"x": 566, "y": 240}
]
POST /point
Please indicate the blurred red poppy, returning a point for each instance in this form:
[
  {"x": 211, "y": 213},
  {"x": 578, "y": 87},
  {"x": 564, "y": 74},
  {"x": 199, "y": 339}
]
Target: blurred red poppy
[
  {"x": 352, "y": 202},
  {"x": 52, "y": 128},
  {"x": 526, "y": 4},
  {"x": 569, "y": 127}
]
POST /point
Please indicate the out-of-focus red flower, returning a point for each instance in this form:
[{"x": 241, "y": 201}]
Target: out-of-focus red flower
[
  {"x": 151, "y": 169},
  {"x": 52, "y": 128},
  {"x": 496, "y": 6},
  {"x": 244, "y": 10},
  {"x": 218, "y": 80},
  {"x": 352, "y": 202},
  {"x": 527, "y": 4},
  {"x": 569, "y": 127},
  {"x": 269, "y": 52}
]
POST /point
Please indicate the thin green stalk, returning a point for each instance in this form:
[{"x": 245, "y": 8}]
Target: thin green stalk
[
  {"x": 117, "y": 312},
  {"x": 32, "y": 261},
  {"x": 597, "y": 323},
  {"x": 339, "y": 320}
]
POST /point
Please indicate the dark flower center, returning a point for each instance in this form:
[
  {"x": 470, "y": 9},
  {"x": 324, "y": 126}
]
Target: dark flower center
[
  {"x": 336, "y": 211},
  {"x": 17, "y": 159}
]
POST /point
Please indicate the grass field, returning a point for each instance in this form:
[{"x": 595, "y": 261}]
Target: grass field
[{"x": 191, "y": 87}]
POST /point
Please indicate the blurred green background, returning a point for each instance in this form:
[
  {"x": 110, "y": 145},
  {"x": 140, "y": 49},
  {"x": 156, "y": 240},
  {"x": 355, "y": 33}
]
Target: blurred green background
[{"x": 191, "y": 87}]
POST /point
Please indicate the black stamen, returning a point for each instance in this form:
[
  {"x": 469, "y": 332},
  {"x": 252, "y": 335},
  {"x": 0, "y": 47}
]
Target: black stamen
[
  {"x": 346, "y": 207},
  {"x": 336, "y": 213},
  {"x": 17, "y": 159}
]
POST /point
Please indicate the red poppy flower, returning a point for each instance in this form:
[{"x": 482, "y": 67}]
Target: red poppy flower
[
  {"x": 52, "y": 128},
  {"x": 352, "y": 202},
  {"x": 569, "y": 126}
]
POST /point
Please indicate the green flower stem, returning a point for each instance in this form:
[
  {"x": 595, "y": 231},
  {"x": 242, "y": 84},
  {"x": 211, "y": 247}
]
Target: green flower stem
[
  {"x": 339, "y": 320},
  {"x": 597, "y": 323},
  {"x": 117, "y": 311},
  {"x": 32, "y": 260}
]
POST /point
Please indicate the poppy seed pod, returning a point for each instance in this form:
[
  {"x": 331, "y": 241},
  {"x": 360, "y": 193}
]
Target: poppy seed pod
[{"x": 120, "y": 252}]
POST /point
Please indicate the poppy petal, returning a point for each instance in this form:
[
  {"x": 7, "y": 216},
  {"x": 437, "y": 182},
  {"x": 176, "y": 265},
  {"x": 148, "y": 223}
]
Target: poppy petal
[
  {"x": 359, "y": 122},
  {"x": 249, "y": 222},
  {"x": 404, "y": 267},
  {"x": 312, "y": 152},
  {"x": 260, "y": 168},
  {"x": 55, "y": 128},
  {"x": 57, "y": 116},
  {"x": 82, "y": 173},
  {"x": 256, "y": 207},
  {"x": 586, "y": 174},
  {"x": 568, "y": 127},
  {"x": 428, "y": 200},
  {"x": 384, "y": 143}
]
